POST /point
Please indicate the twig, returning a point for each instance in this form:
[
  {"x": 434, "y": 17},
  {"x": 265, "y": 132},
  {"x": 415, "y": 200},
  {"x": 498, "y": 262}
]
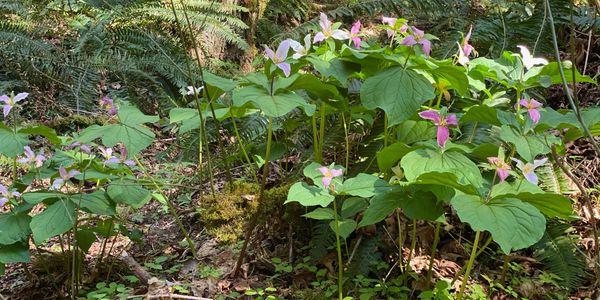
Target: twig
[
  {"x": 135, "y": 267},
  {"x": 168, "y": 296}
]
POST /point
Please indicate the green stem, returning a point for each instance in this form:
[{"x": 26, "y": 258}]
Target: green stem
[
  {"x": 469, "y": 266},
  {"x": 385, "y": 131},
  {"x": 439, "y": 100},
  {"x": 339, "y": 252},
  {"x": 400, "y": 241},
  {"x": 240, "y": 142},
  {"x": 413, "y": 244},
  {"x": 172, "y": 209},
  {"x": 254, "y": 220},
  {"x": 504, "y": 269},
  {"x": 436, "y": 240},
  {"x": 322, "y": 131},
  {"x": 316, "y": 150},
  {"x": 347, "y": 139}
]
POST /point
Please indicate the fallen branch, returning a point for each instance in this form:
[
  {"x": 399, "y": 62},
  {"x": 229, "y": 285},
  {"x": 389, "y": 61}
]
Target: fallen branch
[
  {"x": 168, "y": 296},
  {"x": 135, "y": 267}
]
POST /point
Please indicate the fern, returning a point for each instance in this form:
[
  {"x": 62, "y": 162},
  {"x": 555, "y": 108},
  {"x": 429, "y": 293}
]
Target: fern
[
  {"x": 322, "y": 239},
  {"x": 555, "y": 180},
  {"x": 558, "y": 252}
]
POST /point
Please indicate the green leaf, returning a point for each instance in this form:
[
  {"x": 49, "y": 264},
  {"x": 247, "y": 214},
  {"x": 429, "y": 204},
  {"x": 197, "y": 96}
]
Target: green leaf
[
  {"x": 315, "y": 87},
  {"x": 96, "y": 203},
  {"x": 132, "y": 116},
  {"x": 188, "y": 117},
  {"x": 423, "y": 205},
  {"x": 15, "y": 253},
  {"x": 382, "y": 205},
  {"x": 397, "y": 91},
  {"x": 528, "y": 146},
  {"x": 411, "y": 131},
  {"x": 481, "y": 113},
  {"x": 423, "y": 161},
  {"x": 2, "y": 269},
  {"x": 454, "y": 76},
  {"x": 352, "y": 206},
  {"x": 311, "y": 171},
  {"x": 85, "y": 238},
  {"x": 551, "y": 70},
  {"x": 364, "y": 185},
  {"x": 57, "y": 219},
  {"x": 337, "y": 68},
  {"x": 129, "y": 193},
  {"x": 550, "y": 204},
  {"x": 320, "y": 213},
  {"x": 14, "y": 228},
  {"x": 450, "y": 179},
  {"x": 12, "y": 144},
  {"x": 347, "y": 226},
  {"x": 389, "y": 156},
  {"x": 308, "y": 195},
  {"x": 513, "y": 223},
  {"x": 47, "y": 132},
  {"x": 277, "y": 105},
  {"x": 38, "y": 197}
]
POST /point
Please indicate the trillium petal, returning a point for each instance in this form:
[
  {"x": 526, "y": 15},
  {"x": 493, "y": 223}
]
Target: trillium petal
[
  {"x": 389, "y": 21},
  {"x": 539, "y": 162},
  {"x": 467, "y": 49},
  {"x": 297, "y": 56},
  {"x": 520, "y": 164},
  {"x": 129, "y": 162},
  {"x": 326, "y": 181},
  {"x": 356, "y": 41},
  {"x": 295, "y": 45},
  {"x": 336, "y": 172},
  {"x": 20, "y": 96},
  {"x": 282, "y": 50},
  {"x": 62, "y": 172},
  {"x": 324, "y": 22},
  {"x": 113, "y": 160},
  {"x": 23, "y": 160},
  {"x": 418, "y": 32},
  {"x": 269, "y": 53},
  {"x": 531, "y": 177},
  {"x": 443, "y": 134},
  {"x": 534, "y": 114},
  {"x": 307, "y": 42},
  {"x": 431, "y": 115},
  {"x": 451, "y": 119},
  {"x": 523, "y": 102},
  {"x": 5, "y": 99},
  {"x": 319, "y": 37},
  {"x": 355, "y": 28},
  {"x": 3, "y": 201},
  {"x": 339, "y": 34},
  {"x": 324, "y": 170},
  {"x": 493, "y": 160},
  {"x": 6, "y": 110},
  {"x": 286, "y": 68},
  {"x": 3, "y": 190},
  {"x": 502, "y": 174},
  {"x": 16, "y": 194},
  {"x": 73, "y": 173},
  {"x": 426, "y": 47},
  {"x": 408, "y": 41},
  {"x": 58, "y": 182},
  {"x": 534, "y": 103}
]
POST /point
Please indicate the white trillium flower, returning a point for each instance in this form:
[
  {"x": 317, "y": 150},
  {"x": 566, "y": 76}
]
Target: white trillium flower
[
  {"x": 299, "y": 49},
  {"x": 188, "y": 91},
  {"x": 528, "y": 60}
]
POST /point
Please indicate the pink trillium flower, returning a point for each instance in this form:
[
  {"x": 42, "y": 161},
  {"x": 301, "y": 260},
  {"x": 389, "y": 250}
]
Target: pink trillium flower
[
  {"x": 10, "y": 102},
  {"x": 442, "y": 123},
  {"x": 107, "y": 153},
  {"x": 392, "y": 23},
  {"x": 31, "y": 157},
  {"x": 502, "y": 167},
  {"x": 109, "y": 105},
  {"x": 64, "y": 177},
  {"x": 418, "y": 37},
  {"x": 327, "y": 31},
  {"x": 532, "y": 107},
  {"x": 299, "y": 49},
  {"x": 280, "y": 56},
  {"x": 329, "y": 174},
  {"x": 82, "y": 147},
  {"x": 5, "y": 195},
  {"x": 528, "y": 169},
  {"x": 354, "y": 34},
  {"x": 465, "y": 49}
]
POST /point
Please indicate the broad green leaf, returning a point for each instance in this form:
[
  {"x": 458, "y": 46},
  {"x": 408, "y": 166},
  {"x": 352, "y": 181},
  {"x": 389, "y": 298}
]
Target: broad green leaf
[
  {"x": 551, "y": 71},
  {"x": 397, "y": 91},
  {"x": 308, "y": 195},
  {"x": 315, "y": 88},
  {"x": 389, "y": 156},
  {"x": 364, "y": 185},
  {"x": 346, "y": 227},
  {"x": 129, "y": 193},
  {"x": 12, "y": 144},
  {"x": 411, "y": 131},
  {"x": 38, "y": 197},
  {"x": 528, "y": 146},
  {"x": 513, "y": 224},
  {"x": 449, "y": 179},
  {"x": 453, "y": 76},
  {"x": 481, "y": 113},
  {"x": 550, "y": 204},
  {"x": 423, "y": 161},
  {"x": 58, "y": 218},
  {"x": 85, "y": 238},
  {"x": 422, "y": 205},
  {"x": 14, "y": 228},
  {"x": 277, "y": 105},
  {"x": 217, "y": 85},
  {"x": 337, "y": 68},
  {"x": 96, "y": 203},
  {"x": 47, "y": 132},
  {"x": 320, "y": 213},
  {"x": 382, "y": 205},
  {"x": 352, "y": 206},
  {"x": 188, "y": 117},
  {"x": 131, "y": 115},
  {"x": 15, "y": 253},
  {"x": 2, "y": 269}
]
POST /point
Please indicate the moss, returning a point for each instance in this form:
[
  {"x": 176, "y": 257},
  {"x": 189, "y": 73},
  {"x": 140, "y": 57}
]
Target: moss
[
  {"x": 225, "y": 215},
  {"x": 74, "y": 122}
]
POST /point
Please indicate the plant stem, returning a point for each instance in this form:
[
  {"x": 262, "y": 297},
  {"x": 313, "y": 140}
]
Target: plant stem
[
  {"x": 254, "y": 220},
  {"x": 400, "y": 241},
  {"x": 413, "y": 244},
  {"x": 339, "y": 251},
  {"x": 436, "y": 240},
  {"x": 385, "y": 131},
  {"x": 317, "y": 152},
  {"x": 439, "y": 100},
  {"x": 239, "y": 139},
  {"x": 469, "y": 266},
  {"x": 347, "y": 138},
  {"x": 322, "y": 131},
  {"x": 172, "y": 209}
]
